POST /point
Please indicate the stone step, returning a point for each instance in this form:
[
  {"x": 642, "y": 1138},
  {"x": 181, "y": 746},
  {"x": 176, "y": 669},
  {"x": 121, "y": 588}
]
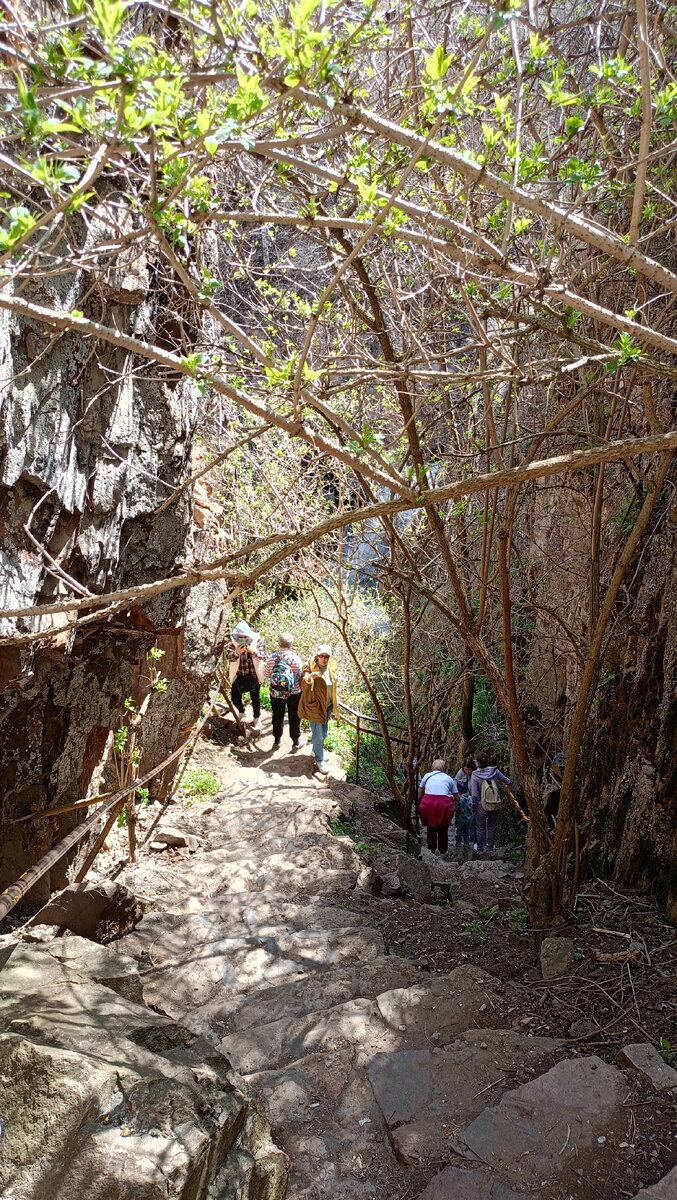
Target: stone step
[
  {"x": 323, "y": 989},
  {"x": 412, "y": 1018},
  {"x": 324, "y": 1116},
  {"x": 426, "y": 1096},
  {"x": 318, "y": 869},
  {"x": 102, "y": 1097},
  {"x": 217, "y": 972}
]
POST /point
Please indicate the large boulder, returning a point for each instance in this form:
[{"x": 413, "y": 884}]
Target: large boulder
[
  {"x": 100, "y": 912},
  {"x": 415, "y": 878}
]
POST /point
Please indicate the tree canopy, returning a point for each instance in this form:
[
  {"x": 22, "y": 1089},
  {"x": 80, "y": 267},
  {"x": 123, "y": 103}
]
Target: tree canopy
[{"x": 413, "y": 261}]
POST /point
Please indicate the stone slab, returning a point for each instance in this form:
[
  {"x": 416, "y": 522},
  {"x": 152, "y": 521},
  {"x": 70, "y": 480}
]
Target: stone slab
[
  {"x": 645, "y": 1061},
  {"x": 83, "y": 1124},
  {"x": 543, "y": 1128},
  {"x": 324, "y": 989},
  {"x": 215, "y": 972},
  {"x": 99, "y": 911},
  {"x": 426, "y": 1095},
  {"x": 453, "y": 1183},
  {"x": 401, "y": 1019},
  {"x": 665, "y": 1189},
  {"x": 557, "y": 957},
  {"x": 323, "y": 1114}
]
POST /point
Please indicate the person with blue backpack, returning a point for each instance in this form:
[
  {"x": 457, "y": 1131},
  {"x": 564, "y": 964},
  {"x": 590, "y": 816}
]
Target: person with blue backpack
[{"x": 284, "y": 670}]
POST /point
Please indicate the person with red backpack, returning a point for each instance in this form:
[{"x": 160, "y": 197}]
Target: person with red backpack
[
  {"x": 284, "y": 670},
  {"x": 486, "y": 802}
]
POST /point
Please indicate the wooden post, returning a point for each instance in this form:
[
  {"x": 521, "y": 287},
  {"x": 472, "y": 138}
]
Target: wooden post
[{"x": 357, "y": 751}]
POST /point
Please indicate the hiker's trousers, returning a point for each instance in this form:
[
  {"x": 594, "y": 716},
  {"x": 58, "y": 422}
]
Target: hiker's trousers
[
  {"x": 240, "y": 686},
  {"x": 318, "y": 733},
  {"x": 278, "y": 705},
  {"x": 486, "y": 826}
]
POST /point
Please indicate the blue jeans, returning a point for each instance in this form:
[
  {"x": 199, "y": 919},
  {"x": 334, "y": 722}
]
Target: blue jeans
[
  {"x": 462, "y": 829},
  {"x": 318, "y": 733}
]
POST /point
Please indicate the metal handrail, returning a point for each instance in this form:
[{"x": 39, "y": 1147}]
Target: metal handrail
[{"x": 372, "y": 732}]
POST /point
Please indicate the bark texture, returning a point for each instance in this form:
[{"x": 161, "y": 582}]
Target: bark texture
[{"x": 630, "y": 763}]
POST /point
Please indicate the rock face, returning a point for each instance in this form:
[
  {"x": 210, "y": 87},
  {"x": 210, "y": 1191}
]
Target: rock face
[
  {"x": 92, "y": 444},
  {"x": 629, "y": 767},
  {"x": 103, "y": 1098}
]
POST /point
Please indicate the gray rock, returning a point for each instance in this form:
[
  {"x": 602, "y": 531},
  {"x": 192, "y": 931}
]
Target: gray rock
[
  {"x": 415, "y": 878},
  {"x": 557, "y": 956},
  {"x": 464, "y": 906},
  {"x": 665, "y": 1189},
  {"x": 425, "y": 1093},
  {"x": 103, "y": 1097},
  {"x": 369, "y": 881},
  {"x": 37, "y": 933},
  {"x": 545, "y": 1128},
  {"x": 454, "y": 1184},
  {"x": 583, "y": 1029},
  {"x": 100, "y": 912},
  {"x": 403, "y": 1018},
  {"x": 169, "y": 836},
  {"x": 644, "y": 1060}
]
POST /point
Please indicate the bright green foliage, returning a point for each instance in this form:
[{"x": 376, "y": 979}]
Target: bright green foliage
[{"x": 199, "y": 784}]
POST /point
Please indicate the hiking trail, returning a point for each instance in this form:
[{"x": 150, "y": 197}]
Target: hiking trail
[{"x": 382, "y": 1076}]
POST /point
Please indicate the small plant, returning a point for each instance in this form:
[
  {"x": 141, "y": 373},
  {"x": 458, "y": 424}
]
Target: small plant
[
  {"x": 199, "y": 784},
  {"x": 667, "y": 1051},
  {"x": 157, "y": 682},
  {"x": 340, "y": 828},
  {"x": 475, "y": 926},
  {"x": 489, "y": 911},
  {"x": 518, "y": 917},
  {"x": 516, "y": 855},
  {"x": 363, "y": 846}
]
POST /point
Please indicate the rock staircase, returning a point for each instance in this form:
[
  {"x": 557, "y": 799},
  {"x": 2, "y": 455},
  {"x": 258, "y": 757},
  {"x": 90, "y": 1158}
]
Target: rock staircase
[{"x": 380, "y": 1080}]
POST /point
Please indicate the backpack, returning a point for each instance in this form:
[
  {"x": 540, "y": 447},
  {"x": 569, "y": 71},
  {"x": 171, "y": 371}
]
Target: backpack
[
  {"x": 490, "y": 798},
  {"x": 281, "y": 680}
]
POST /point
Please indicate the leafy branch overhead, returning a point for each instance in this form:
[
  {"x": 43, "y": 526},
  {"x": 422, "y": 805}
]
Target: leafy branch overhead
[{"x": 416, "y": 273}]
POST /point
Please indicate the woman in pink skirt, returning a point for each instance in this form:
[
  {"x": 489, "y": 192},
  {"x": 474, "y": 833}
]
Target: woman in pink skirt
[{"x": 436, "y": 805}]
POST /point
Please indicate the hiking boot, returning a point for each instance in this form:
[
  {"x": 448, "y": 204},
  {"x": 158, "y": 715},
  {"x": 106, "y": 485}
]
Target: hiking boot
[
  {"x": 322, "y": 768},
  {"x": 475, "y": 847},
  {"x": 256, "y": 725},
  {"x": 276, "y": 745},
  {"x": 298, "y": 745}
]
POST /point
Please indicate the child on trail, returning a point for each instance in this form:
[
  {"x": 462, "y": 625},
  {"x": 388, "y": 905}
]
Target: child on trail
[
  {"x": 246, "y": 663},
  {"x": 284, "y": 669},
  {"x": 486, "y": 801},
  {"x": 464, "y": 817},
  {"x": 319, "y": 701},
  {"x": 436, "y": 806}
]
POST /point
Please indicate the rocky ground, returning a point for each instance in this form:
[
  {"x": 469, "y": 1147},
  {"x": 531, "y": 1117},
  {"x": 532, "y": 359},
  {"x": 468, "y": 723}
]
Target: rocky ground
[{"x": 387, "y": 1015}]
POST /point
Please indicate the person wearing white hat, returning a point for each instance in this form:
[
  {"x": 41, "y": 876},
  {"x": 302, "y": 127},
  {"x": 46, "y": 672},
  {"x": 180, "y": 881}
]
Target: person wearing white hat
[
  {"x": 319, "y": 701},
  {"x": 246, "y": 667}
]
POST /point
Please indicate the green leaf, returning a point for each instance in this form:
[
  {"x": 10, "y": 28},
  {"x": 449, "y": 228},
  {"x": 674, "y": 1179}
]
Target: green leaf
[{"x": 437, "y": 65}]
